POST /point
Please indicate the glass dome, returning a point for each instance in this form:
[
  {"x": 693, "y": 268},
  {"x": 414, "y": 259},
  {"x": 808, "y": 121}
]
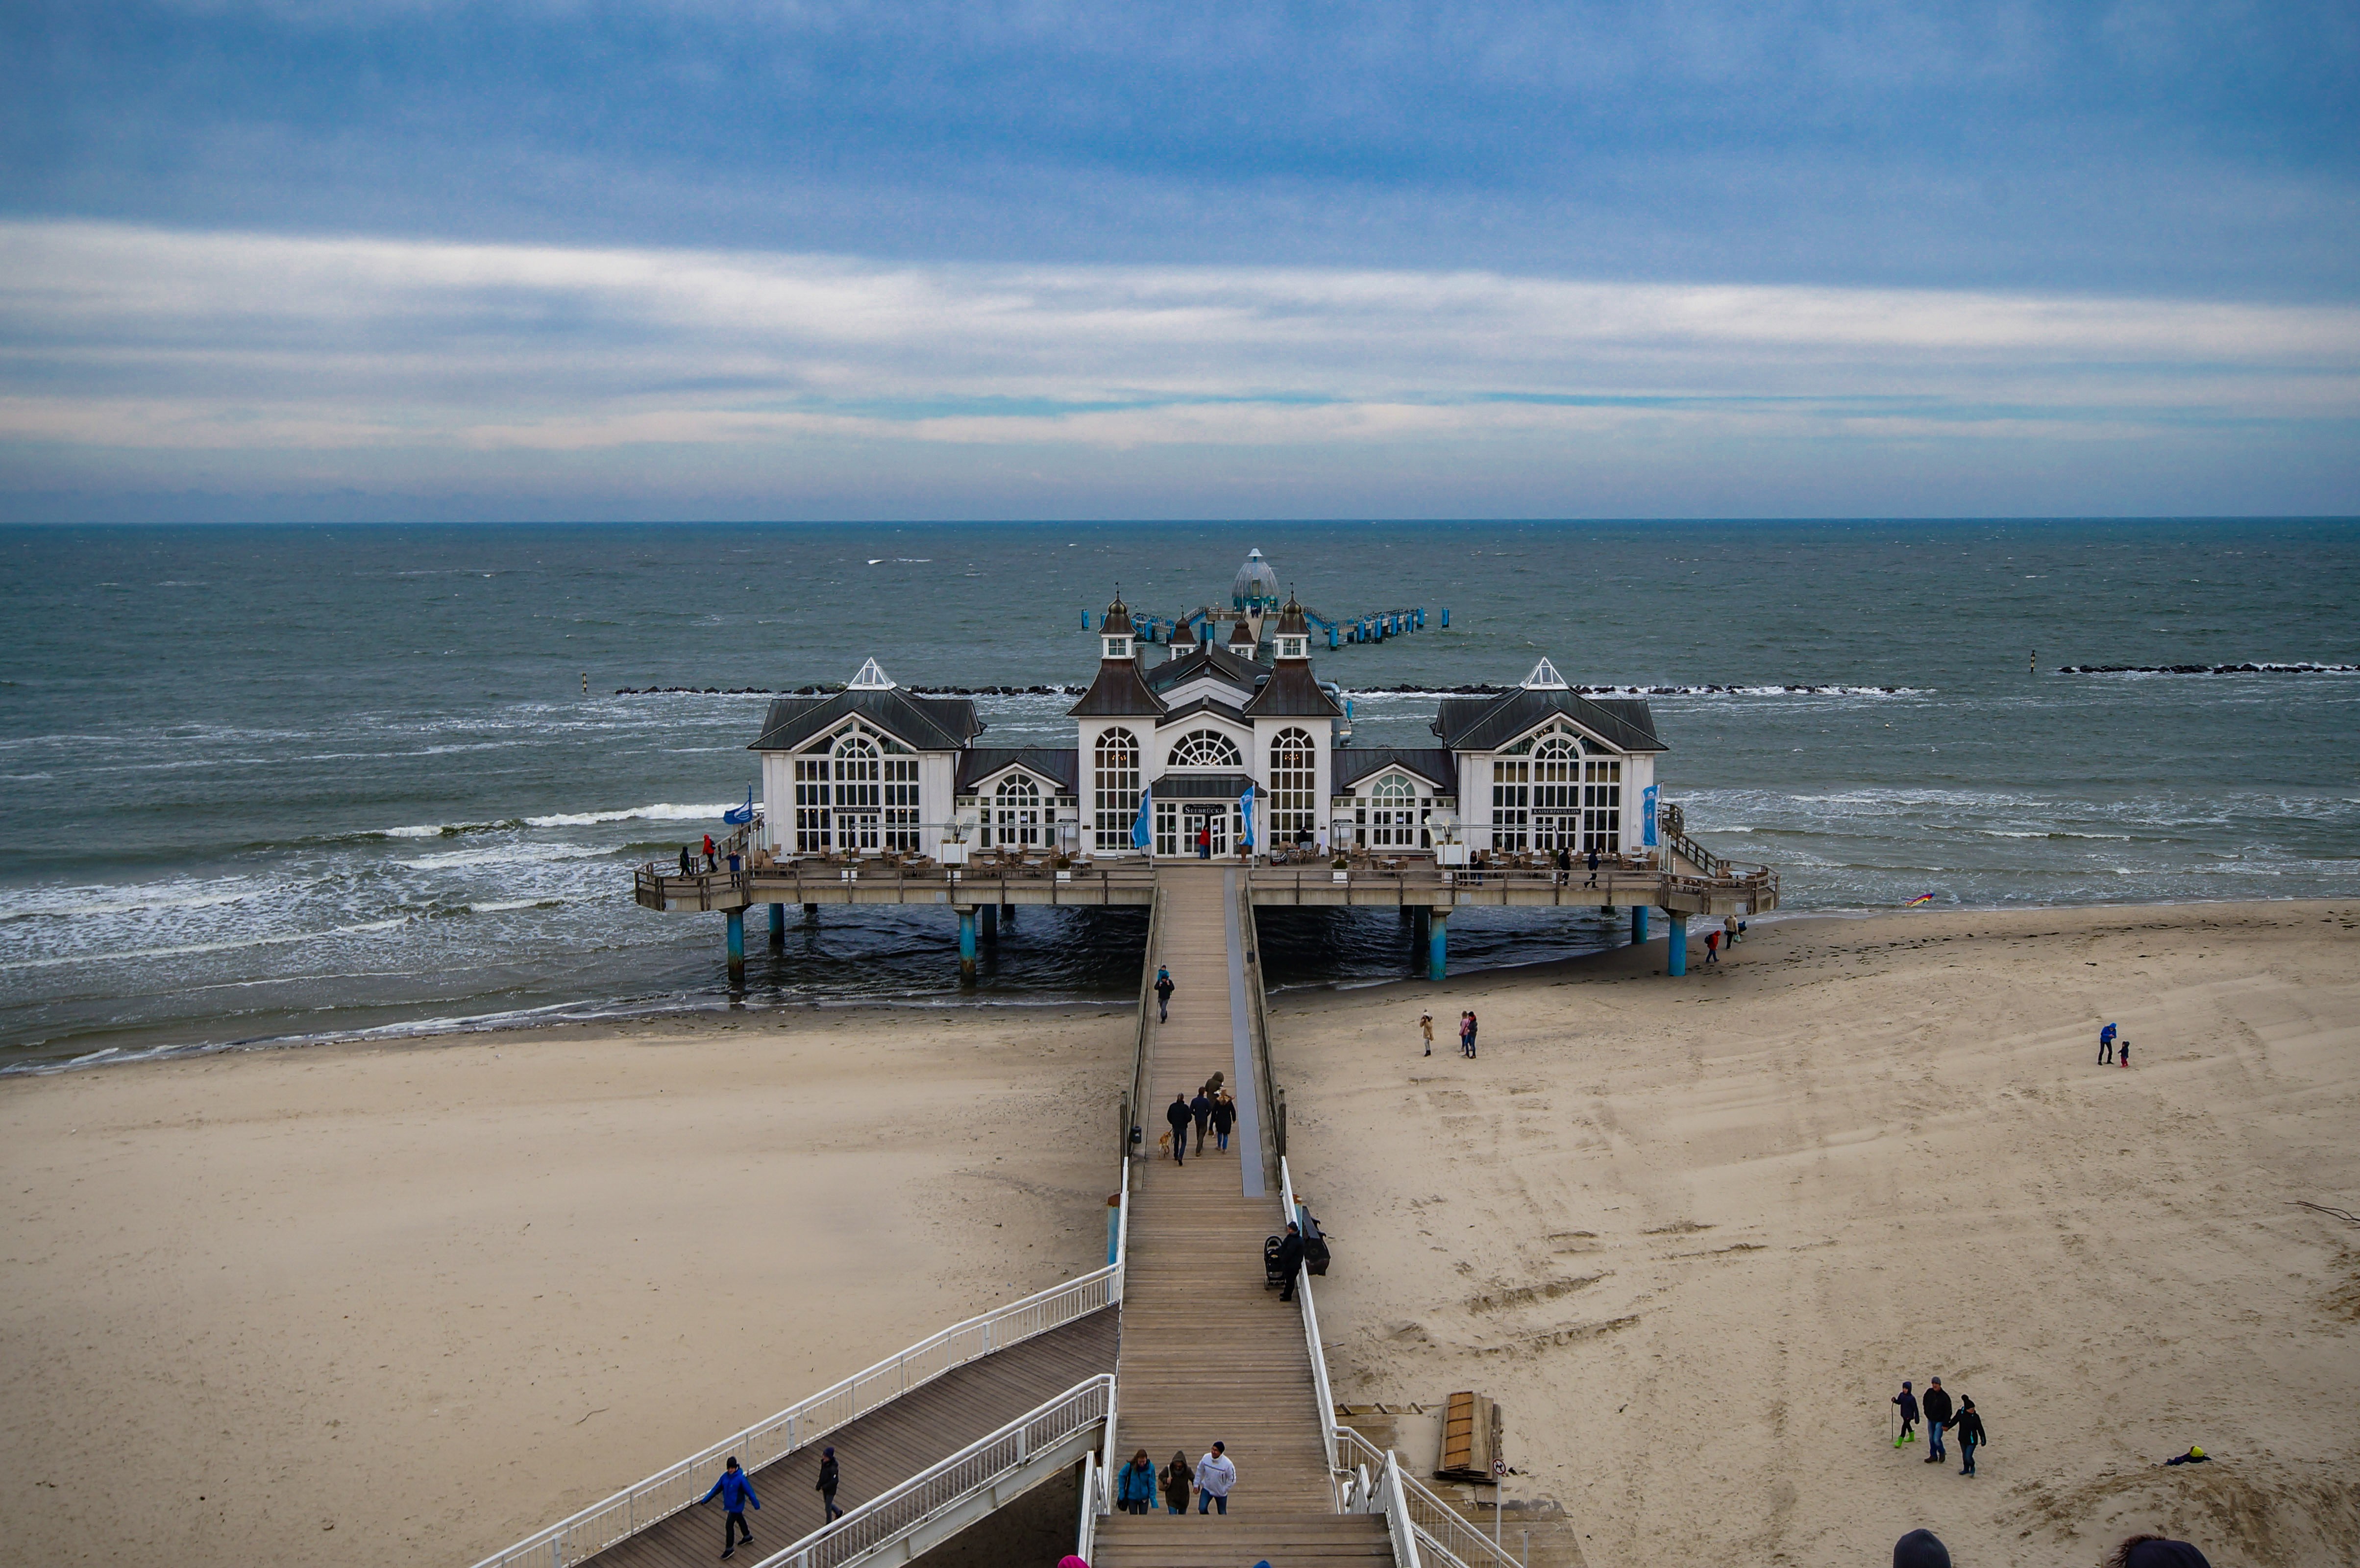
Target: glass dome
[{"x": 1257, "y": 585}]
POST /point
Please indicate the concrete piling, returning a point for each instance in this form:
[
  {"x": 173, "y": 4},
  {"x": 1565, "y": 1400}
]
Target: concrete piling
[
  {"x": 967, "y": 944},
  {"x": 736, "y": 919},
  {"x": 1675, "y": 958},
  {"x": 1437, "y": 946},
  {"x": 777, "y": 928}
]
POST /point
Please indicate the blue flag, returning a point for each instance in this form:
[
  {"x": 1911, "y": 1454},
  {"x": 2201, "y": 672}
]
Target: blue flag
[
  {"x": 738, "y": 816},
  {"x": 1142, "y": 827},
  {"x": 1246, "y": 806}
]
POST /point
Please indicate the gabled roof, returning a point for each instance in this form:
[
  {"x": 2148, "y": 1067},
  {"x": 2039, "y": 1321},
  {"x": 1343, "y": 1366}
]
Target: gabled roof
[
  {"x": 1196, "y": 706},
  {"x": 1291, "y": 693},
  {"x": 1120, "y": 692},
  {"x": 1436, "y": 767},
  {"x": 1487, "y": 723},
  {"x": 1212, "y": 659},
  {"x": 1061, "y": 764},
  {"x": 922, "y": 724}
]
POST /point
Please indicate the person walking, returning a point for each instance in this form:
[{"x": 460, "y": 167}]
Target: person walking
[
  {"x": 1178, "y": 1113},
  {"x": 1564, "y": 866},
  {"x": 1937, "y": 1405},
  {"x": 685, "y": 869},
  {"x": 1908, "y": 1403},
  {"x": 825, "y": 1486},
  {"x": 735, "y": 1492},
  {"x": 1593, "y": 867},
  {"x": 1473, "y": 1023},
  {"x": 1290, "y": 1260},
  {"x": 1225, "y": 1117},
  {"x": 1713, "y": 946},
  {"x": 1731, "y": 927},
  {"x": 1204, "y": 844},
  {"x": 1163, "y": 995},
  {"x": 2107, "y": 1046},
  {"x": 1215, "y": 1475},
  {"x": 1201, "y": 1110},
  {"x": 1135, "y": 1484},
  {"x": 1425, "y": 1028},
  {"x": 712, "y": 860},
  {"x": 1970, "y": 1429},
  {"x": 1177, "y": 1478}
]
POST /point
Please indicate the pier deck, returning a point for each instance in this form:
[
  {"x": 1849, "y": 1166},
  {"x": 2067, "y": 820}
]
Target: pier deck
[
  {"x": 886, "y": 1446},
  {"x": 1207, "y": 1354}
]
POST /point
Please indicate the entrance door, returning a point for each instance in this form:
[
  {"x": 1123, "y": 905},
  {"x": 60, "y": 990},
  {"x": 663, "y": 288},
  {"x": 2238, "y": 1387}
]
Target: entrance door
[{"x": 1215, "y": 820}]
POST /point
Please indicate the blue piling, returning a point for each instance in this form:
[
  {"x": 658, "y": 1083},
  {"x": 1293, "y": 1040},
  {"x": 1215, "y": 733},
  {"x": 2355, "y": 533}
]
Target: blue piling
[
  {"x": 777, "y": 928},
  {"x": 966, "y": 945},
  {"x": 1331, "y": 637},
  {"x": 991, "y": 925},
  {"x": 1638, "y": 924},
  {"x": 1446, "y": 617},
  {"x": 1086, "y": 620},
  {"x": 1676, "y": 957},
  {"x": 1437, "y": 945},
  {"x": 737, "y": 948}
]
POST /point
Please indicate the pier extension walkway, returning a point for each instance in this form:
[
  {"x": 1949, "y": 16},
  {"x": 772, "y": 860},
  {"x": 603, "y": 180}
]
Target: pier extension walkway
[{"x": 1207, "y": 1354}]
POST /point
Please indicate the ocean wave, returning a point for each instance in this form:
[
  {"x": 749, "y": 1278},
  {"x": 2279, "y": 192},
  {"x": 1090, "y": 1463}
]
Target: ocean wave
[
  {"x": 505, "y": 854},
  {"x": 2300, "y": 667},
  {"x": 662, "y": 812},
  {"x": 185, "y": 949},
  {"x": 445, "y": 830},
  {"x": 65, "y": 903}
]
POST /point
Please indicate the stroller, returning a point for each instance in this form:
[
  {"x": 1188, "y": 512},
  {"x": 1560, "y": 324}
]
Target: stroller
[{"x": 1314, "y": 1251}]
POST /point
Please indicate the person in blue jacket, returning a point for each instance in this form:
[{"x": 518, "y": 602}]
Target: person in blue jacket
[
  {"x": 1135, "y": 1485},
  {"x": 2107, "y": 1046},
  {"x": 735, "y": 1492}
]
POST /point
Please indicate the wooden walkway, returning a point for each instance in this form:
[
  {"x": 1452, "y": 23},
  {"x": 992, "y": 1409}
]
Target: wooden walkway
[
  {"x": 1207, "y": 1354},
  {"x": 885, "y": 1447}
]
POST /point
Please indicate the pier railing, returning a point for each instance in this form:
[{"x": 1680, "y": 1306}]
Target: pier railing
[
  {"x": 676, "y": 1487},
  {"x": 1133, "y": 1100},
  {"x": 1421, "y": 881},
  {"x": 655, "y": 887},
  {"x": 1045, "y": 1437},
  {"x": 1448, "y": 1539}
]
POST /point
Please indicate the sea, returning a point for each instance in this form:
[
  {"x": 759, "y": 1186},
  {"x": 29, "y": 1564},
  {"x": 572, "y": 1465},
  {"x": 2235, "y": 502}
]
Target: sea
[{"x": 266, "y": 786}]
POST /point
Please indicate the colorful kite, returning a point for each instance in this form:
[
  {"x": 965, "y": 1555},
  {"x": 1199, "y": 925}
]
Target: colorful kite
[{"x": 1921, "y": 898}]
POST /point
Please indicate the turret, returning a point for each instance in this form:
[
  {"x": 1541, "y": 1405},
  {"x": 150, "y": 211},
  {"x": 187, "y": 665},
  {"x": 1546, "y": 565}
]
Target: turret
[
  {"x": 1293, "y": 639},
  {"x": 1242, "y": 641},
  {"x": 1115, "y": 636}
]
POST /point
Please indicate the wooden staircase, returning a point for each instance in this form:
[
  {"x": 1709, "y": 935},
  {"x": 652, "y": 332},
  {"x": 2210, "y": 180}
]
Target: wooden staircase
[{"x": 1207, "y": 1354}]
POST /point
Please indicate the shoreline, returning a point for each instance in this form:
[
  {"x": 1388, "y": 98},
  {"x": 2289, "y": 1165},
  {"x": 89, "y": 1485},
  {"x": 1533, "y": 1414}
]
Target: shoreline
[{"x": 494, "y": 1024}]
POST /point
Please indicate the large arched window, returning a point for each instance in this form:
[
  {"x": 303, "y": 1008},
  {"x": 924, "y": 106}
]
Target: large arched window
[
  {"x": 1393, "y": 813},
  {"x": 1115, "y": 783},
  {"x": 856, "y": 790},
  {"x": 1208, "y": 749},
  {"x": 1294, "y": 774},
  {"x": 1014, "y": 820},
  {"x": 1556, "y": 793},
  {"x": 1602, "y": 804}
]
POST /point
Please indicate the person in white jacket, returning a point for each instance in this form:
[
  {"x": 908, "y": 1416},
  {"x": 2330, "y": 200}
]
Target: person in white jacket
[{"x": 1215, "y": 1477}]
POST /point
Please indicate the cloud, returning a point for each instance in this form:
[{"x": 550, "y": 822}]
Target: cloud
[{"x": 261, "y": 360}]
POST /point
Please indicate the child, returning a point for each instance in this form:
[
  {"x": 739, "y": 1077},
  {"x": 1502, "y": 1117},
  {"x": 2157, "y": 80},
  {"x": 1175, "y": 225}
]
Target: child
[
  {"x": 2123, "y": 1050},
  {"x": 1908, "y": 1403}
]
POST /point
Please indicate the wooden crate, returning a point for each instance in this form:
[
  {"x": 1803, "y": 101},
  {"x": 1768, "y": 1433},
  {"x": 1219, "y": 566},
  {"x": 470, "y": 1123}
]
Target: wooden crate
[{"x": 1470, "y": 1438}]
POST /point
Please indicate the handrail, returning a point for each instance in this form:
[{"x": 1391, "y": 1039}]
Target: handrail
[
  {"x": 1273, "y": 1098},
  {"x": 1133, "y": 1109},
  {"x": 1447, "y": 1532},
  {"x": 582, "y": 1535},
  {"x": 1398, "y": 1522},
  {"x": 901, "y": 1510},
  {"x": 1319, "y": 1386},
  {"x": 1085, "y": 1528},
  {"x": 1122, "y": 1260}
]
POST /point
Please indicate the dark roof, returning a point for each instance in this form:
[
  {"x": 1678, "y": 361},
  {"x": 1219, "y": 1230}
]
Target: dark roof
[
  {"x": 1291, "y": 693},
  {"x": 1209, "y": 658},
  {"x": 1486, "y": 723},
  {"x": 1060, "y": 762},
  {"x": 1118, "y": 619},
  {"x": 1200, "y": 786},
  {"x": 1290, "y": 619},
  {"x": 923, "y": 724},
  {"x": 1195, "y": 705},
  {"x": 1120, "y": 692},
  {"x": 1432, "y": 763}
]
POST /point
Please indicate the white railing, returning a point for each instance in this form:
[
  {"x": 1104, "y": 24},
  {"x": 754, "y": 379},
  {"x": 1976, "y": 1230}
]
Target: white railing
[
  {"x": 1024, "y": 1442},
  {"x": 1319, "y": 1386},
  {"x": 668, "y": 1490},
  {"x": 1398, "y": 1522},
  {"x": 1443, "y": 1532},
  {"x": 1086, "y": 1530}
]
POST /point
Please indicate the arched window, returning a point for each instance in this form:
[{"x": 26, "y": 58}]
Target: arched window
[
  {"x": 860, "y": 792},
  {"x": 1556, "y": 793},
  {"x": 1115, "y": 779},
  {"x": 1293, "y": 775},
  {"x": 1014, "y": 820},
  {"x": 1602, "y": 804},
  {"x": 1207, "y": 748},
  {"x": 856, "y": 790},
  {"x": 1393, "y": 813}
]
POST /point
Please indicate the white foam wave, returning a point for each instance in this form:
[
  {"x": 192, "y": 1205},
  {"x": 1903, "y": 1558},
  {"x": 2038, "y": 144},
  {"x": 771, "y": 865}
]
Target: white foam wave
[
  {"x": 193, "y": 947},
  {"x": 505, "y": 855},
  {"x": 662, "y": 812}
]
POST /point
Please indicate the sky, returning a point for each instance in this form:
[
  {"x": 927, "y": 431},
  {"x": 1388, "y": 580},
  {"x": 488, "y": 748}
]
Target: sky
[{"x": 412, "y": 260}]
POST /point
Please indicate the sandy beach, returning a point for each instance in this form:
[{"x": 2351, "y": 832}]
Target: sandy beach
[
  {"x": 414, "y": 1300},
  {"x": 1692, "y": 1236}
]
